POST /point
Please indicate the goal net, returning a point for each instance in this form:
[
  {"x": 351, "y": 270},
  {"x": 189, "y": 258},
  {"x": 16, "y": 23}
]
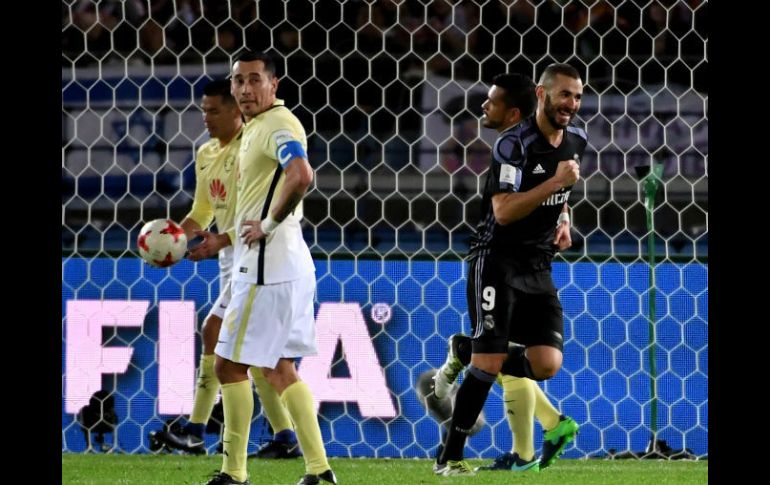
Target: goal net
[{"x": 390, "y": 93}]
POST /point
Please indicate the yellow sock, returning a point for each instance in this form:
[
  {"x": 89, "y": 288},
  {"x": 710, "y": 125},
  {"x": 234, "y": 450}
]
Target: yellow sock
[
  {"x": 205, "y": 391},
  {"x": 299, "y": 401},
  {"x": 544, "y": 410},
  {"x": 238, "y": 405},
  {"x": 519, "y": 401},
  {"x": 274, "y": 410}
]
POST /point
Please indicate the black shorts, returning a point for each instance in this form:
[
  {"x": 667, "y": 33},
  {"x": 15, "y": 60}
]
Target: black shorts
[{"x": 505, "y": 307}]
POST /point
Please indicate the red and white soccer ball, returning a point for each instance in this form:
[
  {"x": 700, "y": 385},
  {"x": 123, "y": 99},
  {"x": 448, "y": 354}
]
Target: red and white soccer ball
[{"x": 162, "y": 243}]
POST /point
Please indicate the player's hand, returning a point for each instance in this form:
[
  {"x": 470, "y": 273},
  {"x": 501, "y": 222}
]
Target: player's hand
[
  {"x": 210, "y": 246},
  {"x": 562, "y": 239},
  {"x": 567, "y": 173},
  {"x": 251, "y": 231}
]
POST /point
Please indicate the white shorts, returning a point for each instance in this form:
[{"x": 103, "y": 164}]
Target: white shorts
[
  {"x": 225, "y": 274},
  {"x": 264, "y": 323}
]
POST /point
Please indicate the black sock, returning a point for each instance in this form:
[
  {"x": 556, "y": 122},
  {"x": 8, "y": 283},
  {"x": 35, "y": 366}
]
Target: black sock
[
  {"x": 469, "y": 401},
  {"x": 517, "y": 364},
  {"x": 464, "y": 349}
]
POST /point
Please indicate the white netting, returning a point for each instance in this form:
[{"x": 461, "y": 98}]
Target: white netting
[{"x": 390, "y": 93}]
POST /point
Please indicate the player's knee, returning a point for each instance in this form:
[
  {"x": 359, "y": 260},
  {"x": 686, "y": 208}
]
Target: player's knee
[
  {"x": 279, "y": 378},
  {"x": 544, "y": 373},
  {"x": 211, "y": 326},
  {"x": 545, "y": 370},
  {"x": 210, "y": 333}
]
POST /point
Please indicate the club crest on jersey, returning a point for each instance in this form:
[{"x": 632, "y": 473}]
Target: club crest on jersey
[
  {"x": 489, "y": 322},
  {"x": 245, "y": 143},
  {"x": 229, "y": 162}
]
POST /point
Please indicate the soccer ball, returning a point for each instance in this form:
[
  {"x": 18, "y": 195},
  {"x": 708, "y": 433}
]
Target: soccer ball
[{"x": 162, "y": 243}]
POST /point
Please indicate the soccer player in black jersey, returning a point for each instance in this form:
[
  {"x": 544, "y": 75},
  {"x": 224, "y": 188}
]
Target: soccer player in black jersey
[{"x": 524, "y": 221}]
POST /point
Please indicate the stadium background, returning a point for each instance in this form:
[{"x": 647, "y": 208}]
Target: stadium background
[{"x": 389, "y": 93}]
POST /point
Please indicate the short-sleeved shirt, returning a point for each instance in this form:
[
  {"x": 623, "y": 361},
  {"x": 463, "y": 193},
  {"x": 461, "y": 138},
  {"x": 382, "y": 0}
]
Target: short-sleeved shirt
[
  {"x": 522, "y": 158},
  {"x": 283, "y": 255},
  {"x": 215, "y": 177}
]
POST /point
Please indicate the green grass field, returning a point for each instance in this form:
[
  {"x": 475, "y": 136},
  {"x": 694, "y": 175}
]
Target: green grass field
[{"x": 91, "y": 469}]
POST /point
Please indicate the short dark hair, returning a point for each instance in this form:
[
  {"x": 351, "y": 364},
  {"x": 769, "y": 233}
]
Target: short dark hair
[
  {"x": 519, "y": 92},
  {"x": 219, "y": 87},
  {"x": 546, "y": 79},
  {"x": 248, "y": 55}
]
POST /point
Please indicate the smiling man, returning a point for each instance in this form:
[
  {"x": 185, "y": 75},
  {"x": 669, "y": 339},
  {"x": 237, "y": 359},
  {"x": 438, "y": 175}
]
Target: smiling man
[{"x": 524, "y": 221}]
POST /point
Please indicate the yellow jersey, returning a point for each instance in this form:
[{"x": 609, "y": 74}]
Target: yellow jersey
[
  {"x": 283, "y": 255},
  {"x": 215, "y": 184}
]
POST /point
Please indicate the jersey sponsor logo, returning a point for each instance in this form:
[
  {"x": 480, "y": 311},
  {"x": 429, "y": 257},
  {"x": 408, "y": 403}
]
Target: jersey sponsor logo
[
  {"x": 556, "y": 199},
  {"x": 508, "y": 174},
  {"x": 217, "y": 190},
  {"x": 538, "y": 169}
]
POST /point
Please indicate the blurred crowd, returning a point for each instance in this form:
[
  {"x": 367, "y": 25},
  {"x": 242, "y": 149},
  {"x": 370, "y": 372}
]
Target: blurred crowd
[{"x": 357, "y": 72}]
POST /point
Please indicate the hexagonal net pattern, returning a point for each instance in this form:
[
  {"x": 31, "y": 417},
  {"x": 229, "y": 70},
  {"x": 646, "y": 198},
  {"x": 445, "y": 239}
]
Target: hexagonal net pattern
[{"x": 390, "y": 96}]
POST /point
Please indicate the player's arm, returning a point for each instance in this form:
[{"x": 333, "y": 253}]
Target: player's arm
[
  {"x": 509, "y": 207},
  {"x": 212, "y": 243},
  {"x": 299, "y": 176},
  {"x": 190, "y": 227},
  {"x": 201, "y": 214}
]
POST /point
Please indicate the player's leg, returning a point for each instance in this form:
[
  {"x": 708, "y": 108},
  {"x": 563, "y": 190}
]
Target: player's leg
[
  {"x": 458, "y": 357},
  {"x": 519, "y": 399},
  {"x": 560, "y": 430},
  {"x": 490, "y": 303},
  {"x": 238, "y": 407},
  {"x": 296, "y": 396},
  {"x": 546, "y": 309},
  {"x": 293, "y": 336},
  {"x": 541, "y": 335},
  {"x": 233, "y": 350},
  {"x": 190, "y": 436},
  {"x": 284, "y": 442}
]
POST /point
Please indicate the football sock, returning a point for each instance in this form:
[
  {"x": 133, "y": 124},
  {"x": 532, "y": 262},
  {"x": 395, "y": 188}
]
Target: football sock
[
  {"x": 272, "y": 407},
  {"x": 205, "y": 391},
  {"x": 238, "y": 406},
  {"x": 299, "y": 401},
  {"x": 469, "y": 401},
  {"x": 544, "y": 410},
  {"x": 519, "y": 398},
  {"x": 464, "y": 351}
]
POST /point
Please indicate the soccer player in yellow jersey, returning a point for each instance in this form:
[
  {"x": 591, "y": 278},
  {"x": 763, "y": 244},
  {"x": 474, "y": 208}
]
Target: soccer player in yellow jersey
[
  {"x": 269, "y": 321},
  {"x": 215, "y": 192}
]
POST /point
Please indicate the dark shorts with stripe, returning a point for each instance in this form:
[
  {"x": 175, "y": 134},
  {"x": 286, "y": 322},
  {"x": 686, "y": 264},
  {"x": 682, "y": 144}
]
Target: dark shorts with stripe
[{"x": 505, "y": 307}]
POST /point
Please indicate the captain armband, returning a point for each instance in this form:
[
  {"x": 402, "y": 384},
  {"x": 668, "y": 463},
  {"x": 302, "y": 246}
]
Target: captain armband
[{"x": 289, "y": 150}]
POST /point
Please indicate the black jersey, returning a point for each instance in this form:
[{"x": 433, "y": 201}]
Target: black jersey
[{"x": 522, "y": 158}]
